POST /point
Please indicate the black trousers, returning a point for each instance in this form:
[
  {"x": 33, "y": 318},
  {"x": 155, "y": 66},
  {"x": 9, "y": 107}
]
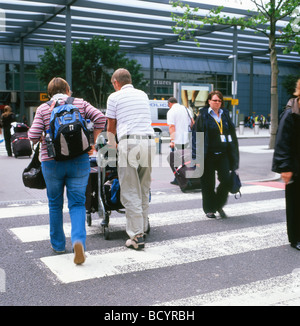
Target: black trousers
[
  {"x": 7, "y": 138},
  {"x": 292, "y": 195},
  {"x": 214, "y": 199}
]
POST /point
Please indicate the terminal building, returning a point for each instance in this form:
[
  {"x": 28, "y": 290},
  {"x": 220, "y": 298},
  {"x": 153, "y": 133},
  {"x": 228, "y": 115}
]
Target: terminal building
[
  {"x": 167, "y": 71},
  {"x": 143, "y": 29}
]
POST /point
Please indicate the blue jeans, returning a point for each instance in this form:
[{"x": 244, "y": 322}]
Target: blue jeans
[{"x": 73, "y": 174}]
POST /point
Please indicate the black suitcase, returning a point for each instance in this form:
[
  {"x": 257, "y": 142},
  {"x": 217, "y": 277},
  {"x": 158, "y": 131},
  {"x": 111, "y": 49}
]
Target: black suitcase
[
  {"x": 180, "y": 163},
  {"x": 20, "y": 127},
  {"x": 91, "y": 194},
  {"x": 21, "y": 145}
]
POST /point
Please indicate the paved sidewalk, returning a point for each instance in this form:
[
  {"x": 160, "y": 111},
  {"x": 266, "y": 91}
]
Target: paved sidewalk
[
  {"x": 255, "y": 165},
  {"x": 246, "y": 132}
]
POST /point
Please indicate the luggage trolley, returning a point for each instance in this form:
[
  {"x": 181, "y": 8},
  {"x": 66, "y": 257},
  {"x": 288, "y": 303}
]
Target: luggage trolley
[
  {"x": 108, "y": 184},
  {"x": 21, "y": 145},
  {"x": 91, "y": 194},
  {"x": 103, "y": 190}
]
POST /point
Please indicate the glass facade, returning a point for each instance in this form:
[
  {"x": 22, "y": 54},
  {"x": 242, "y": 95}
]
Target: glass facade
[
  {"x": 10, "y": 87},
  {"x": 163, "y": 88},
  {"x": 10, "y": 78}
]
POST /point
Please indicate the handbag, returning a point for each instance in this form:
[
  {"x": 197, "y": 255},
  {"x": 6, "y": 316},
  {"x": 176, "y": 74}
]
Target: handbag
[
  {"x": 32, "y": 175},
  {"x": 235, "y": 184}
]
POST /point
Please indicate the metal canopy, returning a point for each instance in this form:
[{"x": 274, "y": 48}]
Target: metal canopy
[{"x": 139, "y": 25}]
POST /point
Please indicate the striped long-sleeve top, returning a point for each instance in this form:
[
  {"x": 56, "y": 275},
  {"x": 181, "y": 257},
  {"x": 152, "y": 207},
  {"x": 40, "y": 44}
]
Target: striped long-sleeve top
[{"x": 41, "y": 121}]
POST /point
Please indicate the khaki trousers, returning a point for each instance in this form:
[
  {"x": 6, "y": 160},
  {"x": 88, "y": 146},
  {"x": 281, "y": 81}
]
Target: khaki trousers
[{"x": 135, "y": 157}]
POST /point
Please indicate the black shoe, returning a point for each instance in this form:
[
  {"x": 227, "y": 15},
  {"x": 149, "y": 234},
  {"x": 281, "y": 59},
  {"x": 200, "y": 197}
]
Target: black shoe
[
  {"x": 222, "y": 213},
  {"x": 211, "y": 215},
  {"x": 137, "y": 243},
  {"x": 296, "y": 245},
  {"x": 174, "y": 182}
]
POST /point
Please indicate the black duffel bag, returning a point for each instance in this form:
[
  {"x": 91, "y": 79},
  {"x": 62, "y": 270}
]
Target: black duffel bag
[{"x": 32, "y": 175}]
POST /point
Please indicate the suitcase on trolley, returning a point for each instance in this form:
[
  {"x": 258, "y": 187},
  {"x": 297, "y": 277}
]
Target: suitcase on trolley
[
  {"x": 21, "y": 145},
  {"x": 91, "y": 194},
  {"x": 180, "y": 163},
  {"x": 20, "y": 127}
]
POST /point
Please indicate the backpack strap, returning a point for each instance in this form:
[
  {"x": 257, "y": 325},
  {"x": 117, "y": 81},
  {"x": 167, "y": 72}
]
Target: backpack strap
[{"x": 69, "y": 100}]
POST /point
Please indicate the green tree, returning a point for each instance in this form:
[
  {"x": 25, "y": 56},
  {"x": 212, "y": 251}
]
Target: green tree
[
  {"x": 264, "y": 20},
  {"x": 93, "y": 62}
]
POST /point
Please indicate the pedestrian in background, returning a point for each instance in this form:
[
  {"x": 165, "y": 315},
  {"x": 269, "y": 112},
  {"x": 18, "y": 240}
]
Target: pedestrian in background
[
  {"x": 221, "y": 153},
  {"x": 72, "y": 173},
  {"x": 7, "y": 118},
  {"x": 180, "y": 122},
  {"x": 129, "y": 117},
  {"x": 286, "y": 161}
]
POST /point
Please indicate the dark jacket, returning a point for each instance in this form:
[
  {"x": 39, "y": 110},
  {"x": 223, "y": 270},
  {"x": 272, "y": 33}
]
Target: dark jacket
[
  {"x": 7, "y": 120},
  {"x": 286, "y": 156},
  {"x": 202, "y": 124}
]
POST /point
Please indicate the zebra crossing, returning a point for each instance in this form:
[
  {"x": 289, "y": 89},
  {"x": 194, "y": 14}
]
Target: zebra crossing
[
  {"x": 2, "y": 146},
  {"x": 114, "y": 261}
]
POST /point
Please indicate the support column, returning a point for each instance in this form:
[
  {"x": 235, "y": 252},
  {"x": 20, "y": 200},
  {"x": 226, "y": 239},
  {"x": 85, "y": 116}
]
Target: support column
[
  {"x": 151, "y": 74},
  {"x": 234, "y": 71},
  {"x": 251, "y": 87},
  {"x": 68, "y": 58},
  {"x": 22, "y": 79}
]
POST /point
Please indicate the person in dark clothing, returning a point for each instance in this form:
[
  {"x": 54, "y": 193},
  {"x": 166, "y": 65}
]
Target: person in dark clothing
[
  {"x": 221, "y": 153},
  {"x": 286, "y": 161},
  {"x": 7, "y": 118}
]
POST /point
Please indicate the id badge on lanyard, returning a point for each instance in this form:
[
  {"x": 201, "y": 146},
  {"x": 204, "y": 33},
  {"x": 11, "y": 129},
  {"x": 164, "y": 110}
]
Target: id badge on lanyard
[
  {"x": 220, "y": 126},
  {"x": 223, "y": 138}
]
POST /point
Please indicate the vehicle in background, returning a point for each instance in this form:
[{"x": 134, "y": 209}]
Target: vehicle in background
[{"x": 159, "y": 109}]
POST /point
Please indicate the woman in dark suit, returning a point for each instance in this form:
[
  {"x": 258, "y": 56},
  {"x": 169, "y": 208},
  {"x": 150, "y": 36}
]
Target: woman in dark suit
[
  {"x": 286, "y": 161},
  {"x": 7, "y": 118},
  {"x": 221, "y": 153}
]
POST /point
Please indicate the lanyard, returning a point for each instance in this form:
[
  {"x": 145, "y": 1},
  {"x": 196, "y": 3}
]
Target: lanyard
[{"x": 220, "y": 125}]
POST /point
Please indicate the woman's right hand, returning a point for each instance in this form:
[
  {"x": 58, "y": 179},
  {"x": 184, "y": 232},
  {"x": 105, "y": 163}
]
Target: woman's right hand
[{"x": 286, "y": 177}]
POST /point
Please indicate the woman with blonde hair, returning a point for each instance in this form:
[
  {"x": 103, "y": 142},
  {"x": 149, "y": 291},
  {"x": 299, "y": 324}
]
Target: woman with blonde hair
[{"x": 6, "y": 119}]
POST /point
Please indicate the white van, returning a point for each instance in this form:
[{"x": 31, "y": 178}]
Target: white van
[{"x": 159, "y": 109}]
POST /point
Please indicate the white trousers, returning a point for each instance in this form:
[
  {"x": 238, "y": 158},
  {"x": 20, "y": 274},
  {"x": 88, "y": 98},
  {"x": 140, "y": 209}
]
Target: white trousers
[{"x": 135, "y": 157}]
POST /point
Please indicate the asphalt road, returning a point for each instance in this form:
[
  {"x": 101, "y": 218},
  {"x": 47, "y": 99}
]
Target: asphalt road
[{"x": 189, "y": 260}]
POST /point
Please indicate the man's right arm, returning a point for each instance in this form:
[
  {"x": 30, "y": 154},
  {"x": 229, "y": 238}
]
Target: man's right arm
[{"x": 111, "y": 132}]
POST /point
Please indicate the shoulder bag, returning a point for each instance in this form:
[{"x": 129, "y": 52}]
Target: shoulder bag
[
  {"x": 235, "y": 184},
  {"x": 32, "y": 175}
]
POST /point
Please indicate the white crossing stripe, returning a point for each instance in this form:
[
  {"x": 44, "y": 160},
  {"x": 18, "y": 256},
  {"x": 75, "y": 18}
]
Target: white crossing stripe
[
  {"x": 120, "y": 260},
  {"x": 158, "y": 197},
  {"x": 280, "y": 290},
  {"x": 24, "y": 210},
  {"x": 161, "y": 197},
  {"x": 41, "y": 232}
]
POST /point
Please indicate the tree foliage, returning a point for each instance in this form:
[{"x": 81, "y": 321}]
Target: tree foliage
[
  {"x": 265, "y": 20},
  {"x": 93, "y": 63}
]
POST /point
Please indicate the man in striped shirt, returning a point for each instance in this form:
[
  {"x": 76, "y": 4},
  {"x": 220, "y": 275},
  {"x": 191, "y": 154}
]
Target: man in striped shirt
[{"x": 129, "y": 117}]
